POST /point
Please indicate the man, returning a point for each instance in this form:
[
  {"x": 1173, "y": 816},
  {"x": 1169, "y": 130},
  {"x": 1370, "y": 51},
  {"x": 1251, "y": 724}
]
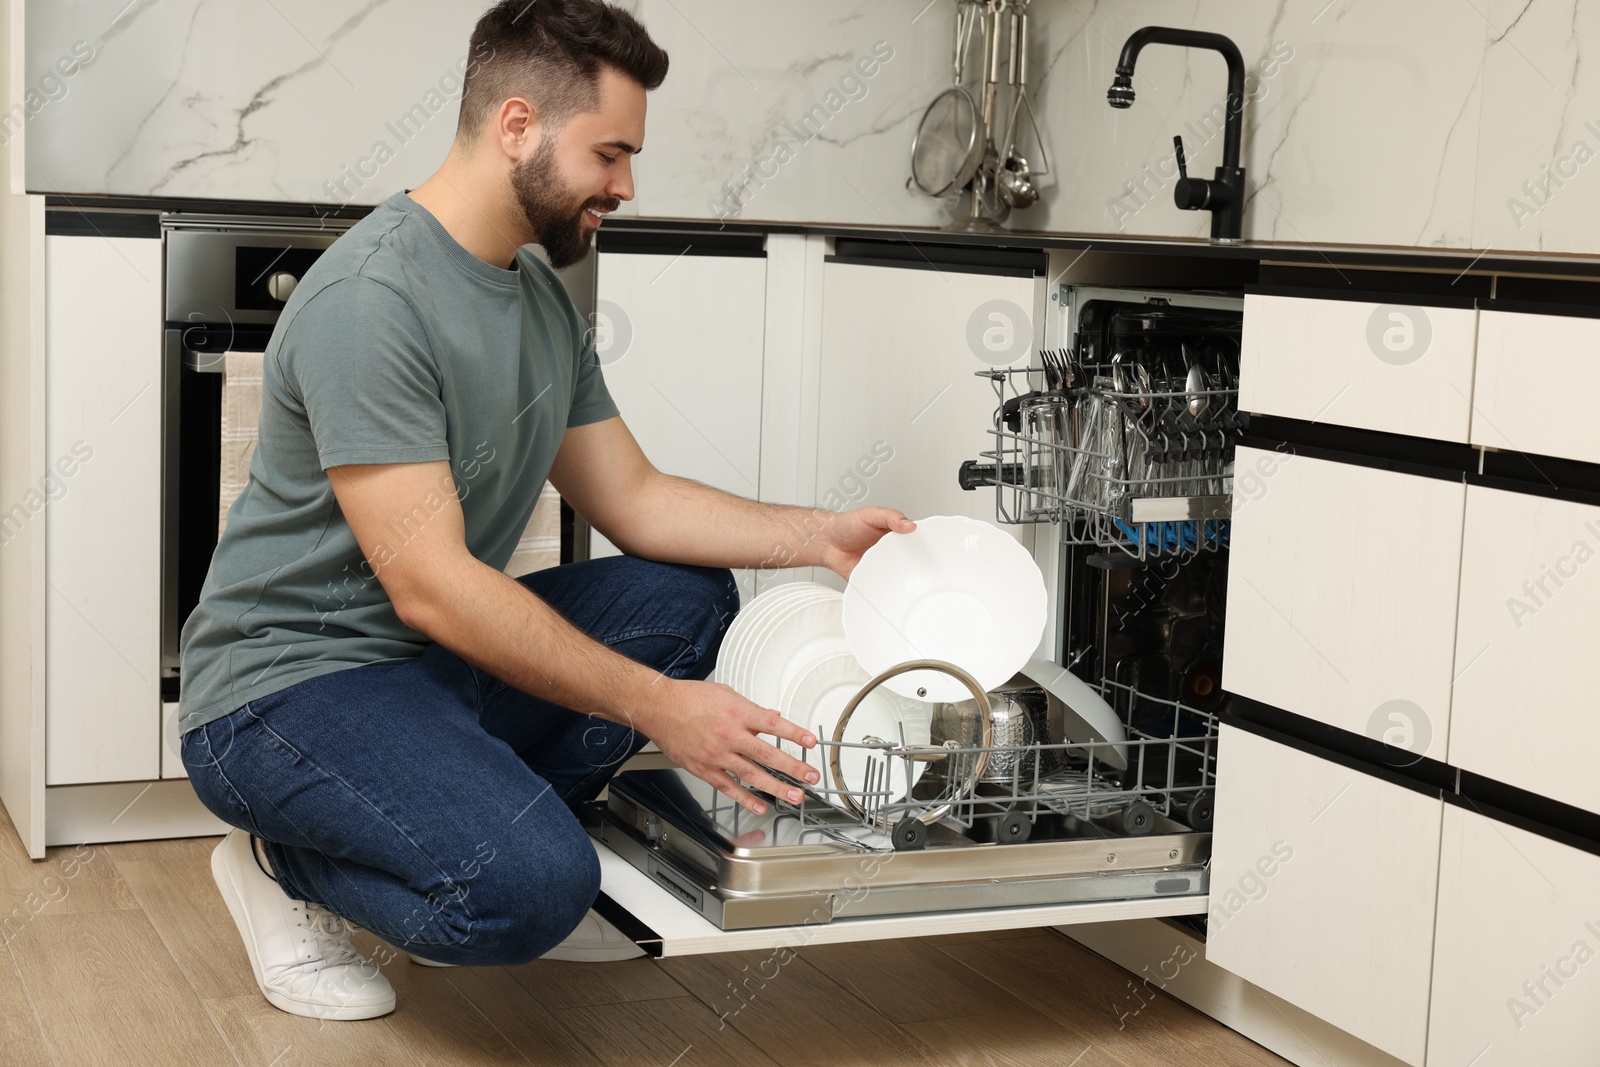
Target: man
[{"x": 400, "y": 731}]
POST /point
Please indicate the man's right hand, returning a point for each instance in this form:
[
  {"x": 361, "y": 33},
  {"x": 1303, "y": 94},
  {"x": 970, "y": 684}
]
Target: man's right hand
[{"x": 711, "y": 731}]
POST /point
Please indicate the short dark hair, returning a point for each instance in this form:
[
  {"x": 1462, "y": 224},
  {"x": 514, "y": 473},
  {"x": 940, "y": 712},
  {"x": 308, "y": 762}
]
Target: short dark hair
[{"x": 551, "y": 52}]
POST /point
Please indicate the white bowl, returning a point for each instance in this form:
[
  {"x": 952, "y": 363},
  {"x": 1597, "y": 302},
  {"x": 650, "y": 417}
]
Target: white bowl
[{"x": 953, "y": 589}]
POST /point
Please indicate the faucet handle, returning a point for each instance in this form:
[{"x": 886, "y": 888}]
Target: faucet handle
[{"x": 1190, "y": 194}]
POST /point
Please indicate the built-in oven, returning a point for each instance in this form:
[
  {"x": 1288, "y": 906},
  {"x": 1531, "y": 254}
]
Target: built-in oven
[{"x": 227, "y": 279}]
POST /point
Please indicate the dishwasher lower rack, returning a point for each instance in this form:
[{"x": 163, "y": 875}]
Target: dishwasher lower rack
[{"x": 1063, "y": 824}]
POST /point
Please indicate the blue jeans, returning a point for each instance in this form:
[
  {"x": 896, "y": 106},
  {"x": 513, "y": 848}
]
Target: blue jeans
[{"x": 432, "y": 804}]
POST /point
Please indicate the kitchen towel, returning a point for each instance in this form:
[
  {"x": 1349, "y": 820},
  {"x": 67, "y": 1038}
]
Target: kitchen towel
[
  {"x": 538, "y": 548},
  {"x": 241, "y": 415}
]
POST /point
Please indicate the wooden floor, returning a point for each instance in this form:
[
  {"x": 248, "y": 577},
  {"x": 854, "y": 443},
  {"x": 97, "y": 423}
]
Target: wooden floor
[{"x": 125, "y": 954}]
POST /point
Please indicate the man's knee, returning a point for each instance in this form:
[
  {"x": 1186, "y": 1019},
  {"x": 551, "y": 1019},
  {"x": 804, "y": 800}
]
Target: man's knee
[{"x": 524, "y": 907}]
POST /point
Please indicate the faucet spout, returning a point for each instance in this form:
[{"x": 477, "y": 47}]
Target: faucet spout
[
  {"x": 1214, "y": 42},
  {"x": 1224, "y": 195}
]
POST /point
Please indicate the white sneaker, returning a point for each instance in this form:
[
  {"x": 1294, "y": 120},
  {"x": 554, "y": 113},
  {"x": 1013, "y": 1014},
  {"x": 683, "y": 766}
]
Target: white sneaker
[
  {"x": 300, "y": 952},
  {"x": 593, "y": 941}
]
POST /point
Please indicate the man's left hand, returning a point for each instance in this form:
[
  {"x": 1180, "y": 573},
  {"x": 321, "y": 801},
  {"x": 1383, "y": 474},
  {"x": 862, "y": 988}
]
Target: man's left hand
[{"x": 851, "y": 533}]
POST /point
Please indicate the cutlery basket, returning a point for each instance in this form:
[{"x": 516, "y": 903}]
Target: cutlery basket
[{"x": 1124, "y": 459}]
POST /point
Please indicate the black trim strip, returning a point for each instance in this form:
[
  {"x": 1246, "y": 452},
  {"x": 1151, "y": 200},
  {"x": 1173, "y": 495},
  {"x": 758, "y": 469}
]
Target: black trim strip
[
  {"x": 1552, "y": 819},
  {"x": 1546, "y": 818},
  {"x": 655, "y": 243},
  {"x": 1006, "y": 262},
  {"x": 1546, "y": 296},
  {"x": 1413, "y": 288},
  {"x": 197, "y": 205},
  {"x": 70, "y": 222},
  {"x": 1367, "y": 755},
  {"x": 1420, "y": 456},
  {"x": 628, "y": 924},
  {"x": 1544, "y": 476}
]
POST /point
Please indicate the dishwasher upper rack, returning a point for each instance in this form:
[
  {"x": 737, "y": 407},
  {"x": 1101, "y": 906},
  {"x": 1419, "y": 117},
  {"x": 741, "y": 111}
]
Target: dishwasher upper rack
[
  {"x": 1139, "y": 469},
  {"x": 1170, "y": 774}
]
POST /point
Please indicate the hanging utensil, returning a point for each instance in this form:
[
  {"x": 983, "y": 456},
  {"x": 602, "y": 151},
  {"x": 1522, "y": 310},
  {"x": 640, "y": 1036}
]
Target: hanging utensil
[
  {"x": 1016, "y": 180},
  {"x": 949, "y": 143}
]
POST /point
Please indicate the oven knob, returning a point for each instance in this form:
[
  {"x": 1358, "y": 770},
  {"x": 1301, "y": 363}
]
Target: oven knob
[{"x": 281, "y": 285}]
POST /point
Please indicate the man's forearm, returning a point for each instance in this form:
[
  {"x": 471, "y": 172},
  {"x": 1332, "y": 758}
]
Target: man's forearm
[
  {"x": 677, "y": 520},
  {"x": 492, "y": 621}
]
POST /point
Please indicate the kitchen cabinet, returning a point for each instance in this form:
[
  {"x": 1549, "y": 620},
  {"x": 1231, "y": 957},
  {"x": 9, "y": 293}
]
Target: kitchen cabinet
[
  {"x": 1518, "y": 937},
  {"x": 1323, "y": 884},
  {"x": 1524, "y": 645},
  {"x": 680, "y": 339},
  {"x": 1342, "y": 595},
  {"x": 1397, "y": 368},
  {"x": 1536, "y": 375},
  {"x": 901, "y": 404},
  {"x": 103, "y": 317}
]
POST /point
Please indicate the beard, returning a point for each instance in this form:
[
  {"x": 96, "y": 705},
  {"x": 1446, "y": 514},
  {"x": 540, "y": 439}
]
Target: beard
[{"x": 547, "y": 204}]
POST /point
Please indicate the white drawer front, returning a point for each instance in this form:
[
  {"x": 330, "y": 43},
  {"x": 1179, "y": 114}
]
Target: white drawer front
[
  {"x": 1396, "y": 368},
  {"x": 1536, "y": 377},
  {"x": 1342, "y": 595},
  {"x": 1522, "y": 710},
  {"x": 1322, "y": 889},
  {"x": 1516, "y": 970}
]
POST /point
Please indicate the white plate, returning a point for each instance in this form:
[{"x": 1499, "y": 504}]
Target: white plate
[
  {"x": 743, "y": 633},
  {"x": 771, "y": 623},
  {"x": 809, "y": 625},
  {"x": 953, "y": 589},
  {"x": 819, "y": 693}
]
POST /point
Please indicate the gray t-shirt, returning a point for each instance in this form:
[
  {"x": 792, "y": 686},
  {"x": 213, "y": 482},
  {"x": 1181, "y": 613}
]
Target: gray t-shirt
[{"x": 398, "y": 346}]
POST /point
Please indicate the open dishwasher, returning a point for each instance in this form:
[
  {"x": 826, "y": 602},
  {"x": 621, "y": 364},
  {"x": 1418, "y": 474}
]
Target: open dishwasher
[{"x": 1120, "y": 444}]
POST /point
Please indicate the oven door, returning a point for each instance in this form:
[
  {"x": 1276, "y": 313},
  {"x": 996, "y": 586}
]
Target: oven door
[{"x": 191, "y": 442}]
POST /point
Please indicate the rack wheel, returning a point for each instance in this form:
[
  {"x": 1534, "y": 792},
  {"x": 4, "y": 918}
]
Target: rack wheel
[
  {"x": 1201, "y": 812},
  {"x": 909, "y": 835},
  {"x": 1138, "y": 819},
  {"x": 1013, "y": 828}
]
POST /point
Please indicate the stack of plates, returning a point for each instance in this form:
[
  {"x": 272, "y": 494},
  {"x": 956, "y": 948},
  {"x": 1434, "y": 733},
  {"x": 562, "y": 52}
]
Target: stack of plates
[{"x": 786, "y": 650}]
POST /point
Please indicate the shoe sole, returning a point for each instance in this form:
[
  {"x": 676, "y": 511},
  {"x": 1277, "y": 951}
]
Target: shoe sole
[
  {"x": 604, "y": 954},
  {"x": 232, "y": 897}
]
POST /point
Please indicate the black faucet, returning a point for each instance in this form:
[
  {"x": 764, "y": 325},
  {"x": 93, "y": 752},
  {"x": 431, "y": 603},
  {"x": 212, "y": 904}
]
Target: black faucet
[{"x": 1223, "y": 195}]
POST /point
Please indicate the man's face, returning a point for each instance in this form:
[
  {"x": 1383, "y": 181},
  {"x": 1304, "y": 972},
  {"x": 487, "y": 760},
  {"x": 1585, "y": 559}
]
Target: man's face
[{"x": 583, "y": 171}]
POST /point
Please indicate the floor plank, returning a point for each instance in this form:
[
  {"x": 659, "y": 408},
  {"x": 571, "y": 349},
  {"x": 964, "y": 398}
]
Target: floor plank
[
  {"x": 680, "y": 1030},
  {"x": 172, "y": 881},
  {"x": 442, "y": 1026},
  {"x": 1103, "y": 1005},
  {"x": 75, "y": 878},
  {"x": 262, "y": 1036},
  {"x": 1016, "y": 1037},
  {"x": 103, "y": 982},
  {"x": 908, "y": 980},
  {"x": 543, "y": 1037},
  {"x": 793, "y": 1012},
  {"x": 20, "y": 1037},
  {"x": 564, "y": 984}
]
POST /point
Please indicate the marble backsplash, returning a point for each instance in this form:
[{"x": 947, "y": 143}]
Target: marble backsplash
[{"x": 1443, "y": 123}]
